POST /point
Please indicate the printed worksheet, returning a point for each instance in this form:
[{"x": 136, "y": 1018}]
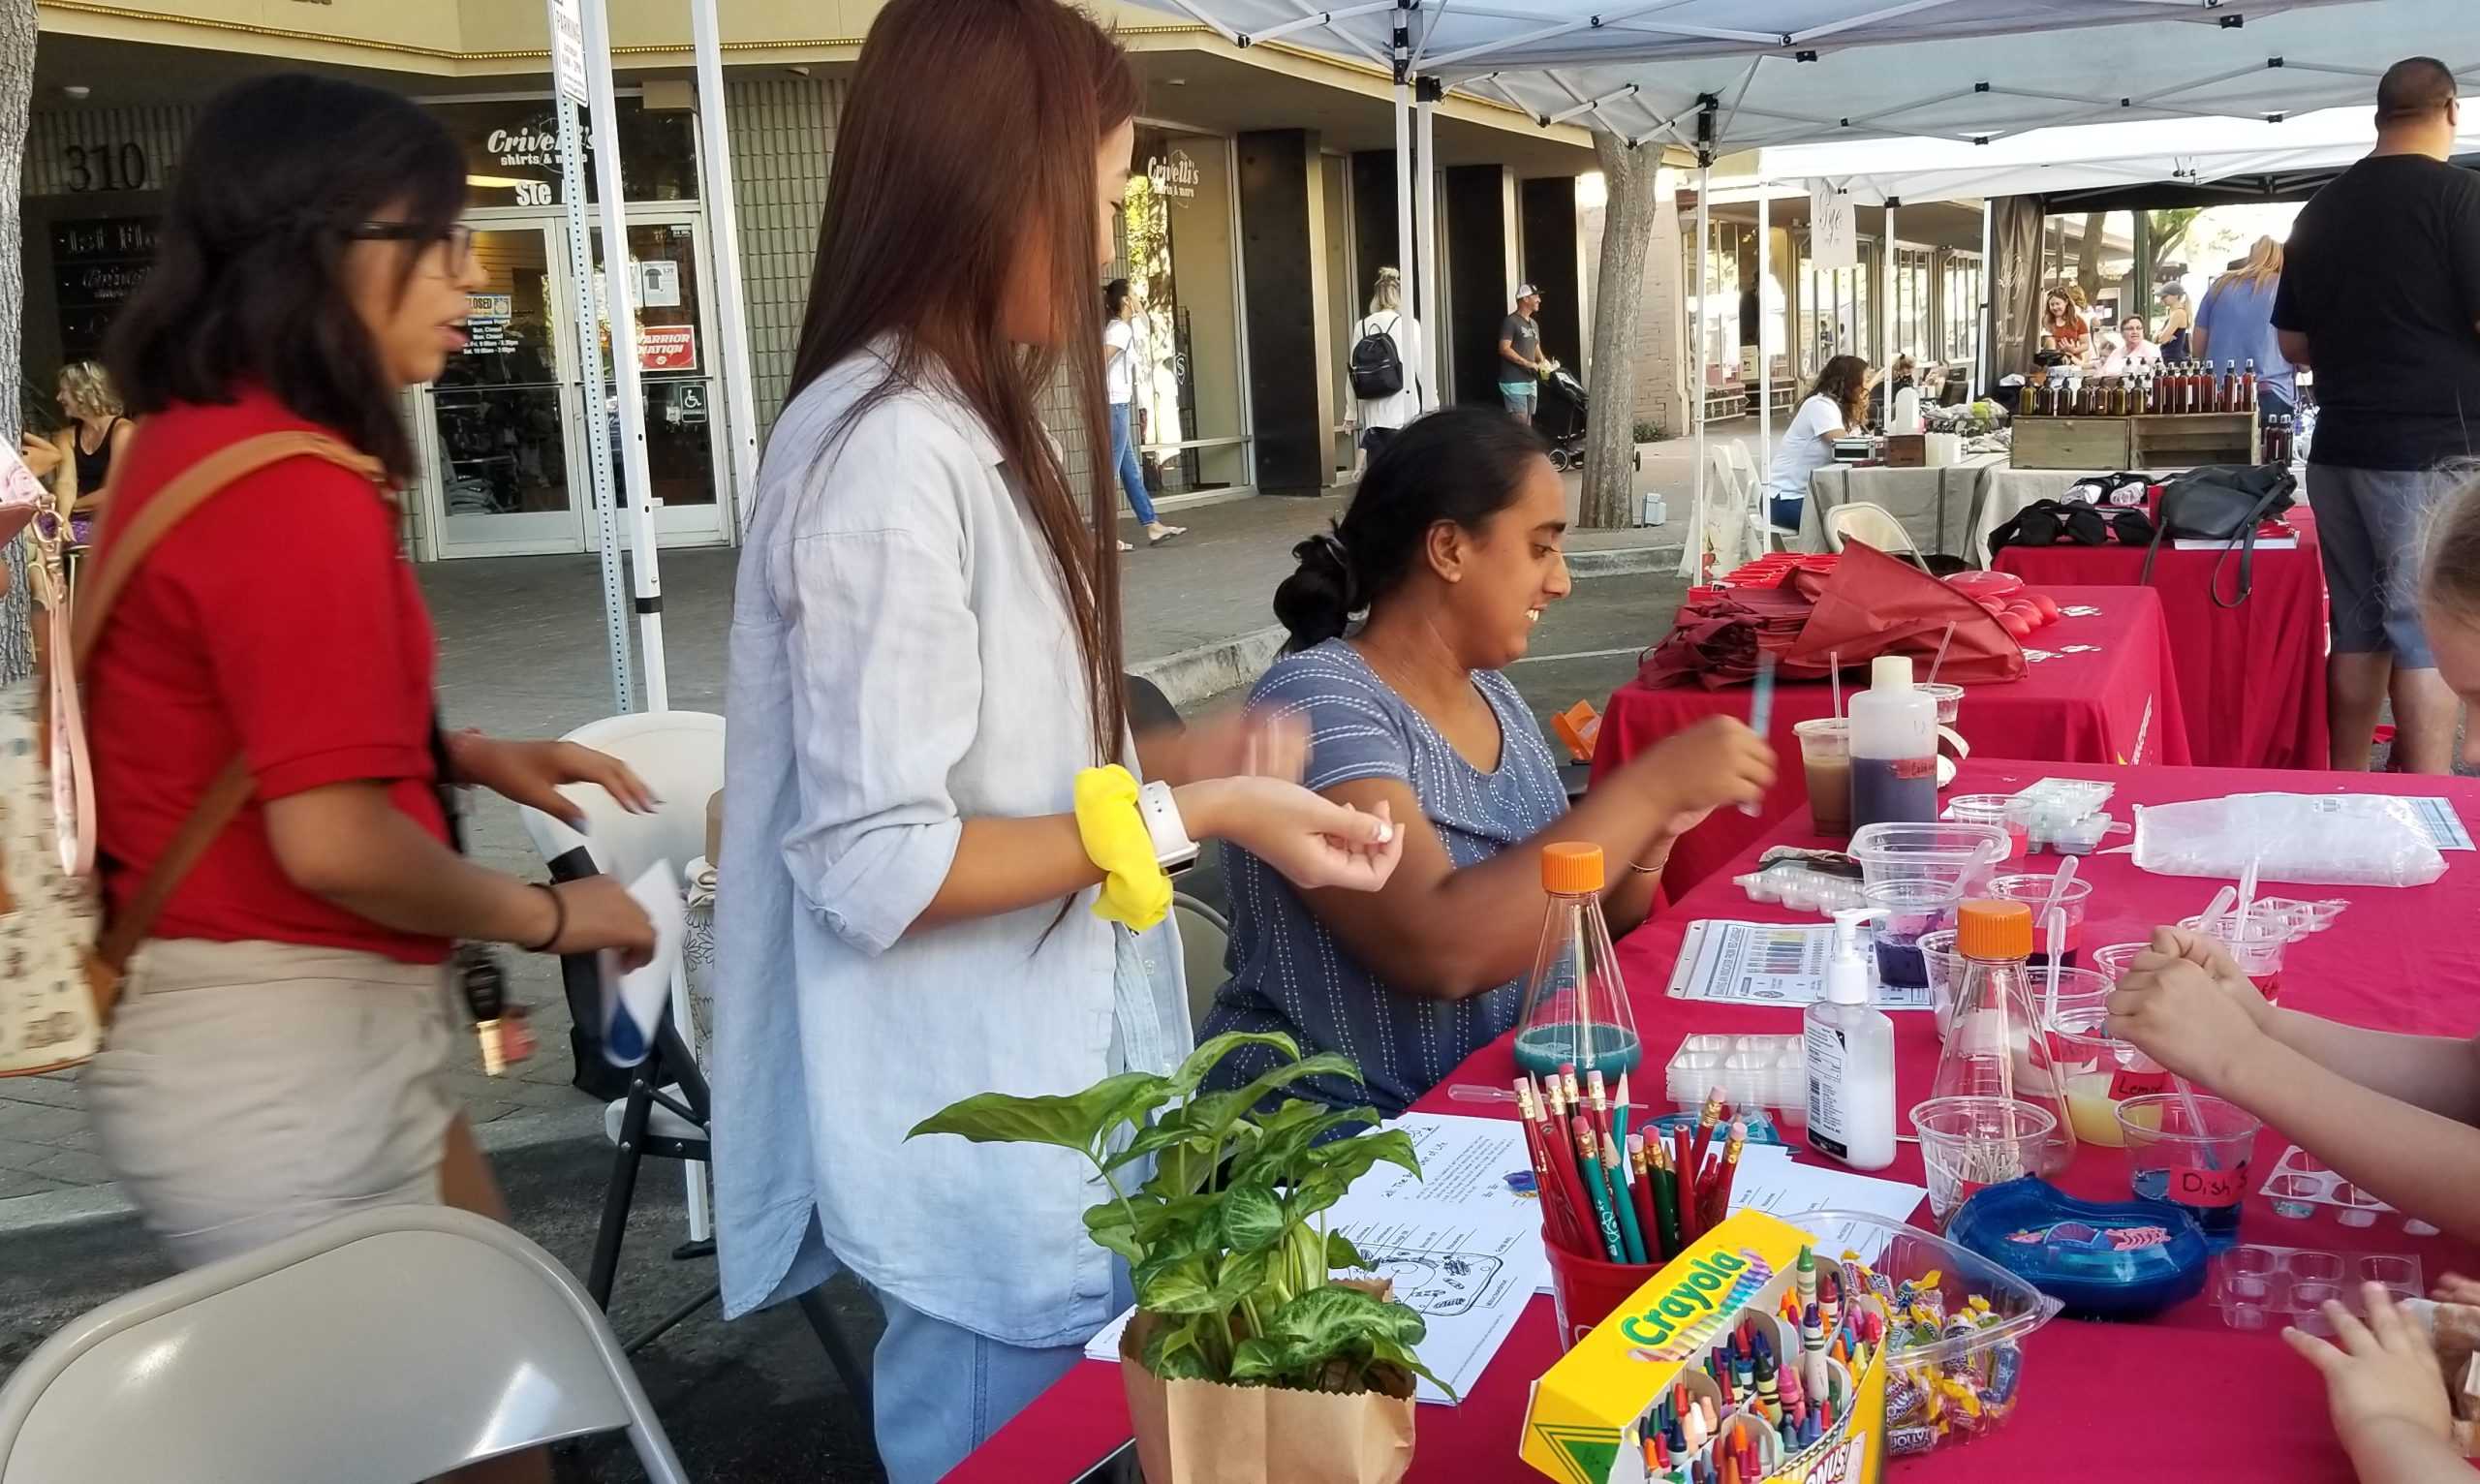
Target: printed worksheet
[
  {"x": 1462, "y": 1243},
  {"x": 1768, "y": 963}
]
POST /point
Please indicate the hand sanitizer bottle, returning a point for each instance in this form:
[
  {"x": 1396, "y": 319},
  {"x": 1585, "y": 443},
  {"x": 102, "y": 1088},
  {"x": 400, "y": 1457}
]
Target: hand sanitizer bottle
[{"x": 1851, "y": 1058}]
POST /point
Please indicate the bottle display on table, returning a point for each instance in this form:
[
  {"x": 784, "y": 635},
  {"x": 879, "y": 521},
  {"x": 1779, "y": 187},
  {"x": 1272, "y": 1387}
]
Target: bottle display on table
[
  {"x": 1894, "y": 747},
  {"x": 2247, "y": 387},
  {"x": 1996, "y": 1043},
  {"x": 1575, "y": 1001}
]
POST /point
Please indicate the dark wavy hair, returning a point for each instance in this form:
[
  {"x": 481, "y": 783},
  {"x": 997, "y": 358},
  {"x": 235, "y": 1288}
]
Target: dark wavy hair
[
  {"x": 1462, "y": 464},
  {"x": 1844, "y": 381},
  {"x": 248, "y": 282},
  {"x": 1115, "y": 294}
]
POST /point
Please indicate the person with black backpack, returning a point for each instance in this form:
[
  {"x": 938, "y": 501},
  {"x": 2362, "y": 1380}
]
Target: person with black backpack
[{"x": 1385, "y": 358}]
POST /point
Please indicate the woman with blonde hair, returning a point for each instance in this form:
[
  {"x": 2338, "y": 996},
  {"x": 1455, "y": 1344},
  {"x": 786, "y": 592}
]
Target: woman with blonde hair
[
  {"x": 79, "y": 457},
  {"x": 1380, "y": 418},
  {"x": 2235, "y": 325}
]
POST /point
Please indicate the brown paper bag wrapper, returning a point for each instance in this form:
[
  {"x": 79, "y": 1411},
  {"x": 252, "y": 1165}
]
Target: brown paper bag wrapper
[{"x": 1207, "y": 1432}]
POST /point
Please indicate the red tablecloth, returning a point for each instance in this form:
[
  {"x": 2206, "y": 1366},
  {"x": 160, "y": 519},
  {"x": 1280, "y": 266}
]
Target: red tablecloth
[
  {"x": 2180, "y": 1397},
  {"x": 2116, "y": 703},
  {"x": 2251, "y": 678}
]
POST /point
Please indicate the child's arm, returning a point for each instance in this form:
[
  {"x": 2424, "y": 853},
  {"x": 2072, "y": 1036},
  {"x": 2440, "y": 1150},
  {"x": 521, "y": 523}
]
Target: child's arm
[
  {"x": 2440, "y": 1073},
  {"x": 2412, "y": 1158},
  {"x": 2387, "y": 1395}
]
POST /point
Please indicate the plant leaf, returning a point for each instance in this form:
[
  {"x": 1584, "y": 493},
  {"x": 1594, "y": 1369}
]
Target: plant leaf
[
  {"x": 1114, "y": 1229},
  {"x": 1240, "y": 1277},
  {"x": 1348, "y": 1159},
  {"x": 1202, "y": 1060},
  {"x": 1177, "y": 1290},
  {"x": 1288, "y": 1134},
  {"x": 1259, "y": 1359},
  {"x": 1253, "y": 1218},
  {"x": 1076, "y": 1121},
  {"x": 1341, "y": 1254},
  {"x": 1386, "y": 1351},
  {"x": 1173, "y": 1355}
]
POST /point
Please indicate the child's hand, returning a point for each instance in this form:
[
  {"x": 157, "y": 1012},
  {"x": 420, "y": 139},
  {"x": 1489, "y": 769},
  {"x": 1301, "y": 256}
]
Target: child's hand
[
  {"x": 2174, "y": 944},
  {"x": 2177, "y": 1014},
  {"x": 2383, "y": 1377},
  {"x": 2455, "y": 1289}
]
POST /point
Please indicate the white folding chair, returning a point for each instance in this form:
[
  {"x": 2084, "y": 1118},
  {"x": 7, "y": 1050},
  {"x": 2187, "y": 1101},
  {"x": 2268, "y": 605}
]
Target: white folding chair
[
  {"x": 387, "y": 1347},
  {"x": 666, "y": 1109},
  {"x": 1866, "y": 522},
  {"x": 1204, "y": 936}
]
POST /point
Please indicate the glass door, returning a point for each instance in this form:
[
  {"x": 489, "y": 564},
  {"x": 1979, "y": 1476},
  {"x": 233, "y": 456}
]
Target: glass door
[
  {"x": 508, "y": 474},
  {"x": 683, "y": 393}
]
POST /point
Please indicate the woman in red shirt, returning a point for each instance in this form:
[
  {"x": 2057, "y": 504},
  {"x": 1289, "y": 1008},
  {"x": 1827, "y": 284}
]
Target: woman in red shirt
[{"x": 281, "y": 1048}]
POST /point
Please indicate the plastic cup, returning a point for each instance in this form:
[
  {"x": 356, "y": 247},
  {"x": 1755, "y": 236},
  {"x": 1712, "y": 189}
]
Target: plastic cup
[
  {"x": 2101, "y": 1072},
  {"x": 1998, "y": 809},
  {"x": 2294, "y": 1197},
  {"x": 1911, "y": 910},
  {"x": 1825, "y": 755},
  {"x": 2255, "y": 946},
  {"x": 1966, "y": 1143},
  {"x": 1949, "y": 699},
  {"x": 2034, "y": 892},
  {"x": 1944, "y": 968},
  {"x": 2114, "y": 960},
  {"x": 1585, "y": 1290},
  {"x": 2081, "y": 992},
  {"x": 2190, "y": 1151}
]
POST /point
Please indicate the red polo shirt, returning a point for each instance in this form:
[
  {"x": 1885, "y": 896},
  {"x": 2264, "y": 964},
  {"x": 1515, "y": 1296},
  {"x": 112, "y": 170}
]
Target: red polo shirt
[{"x": 278, "y": 621}]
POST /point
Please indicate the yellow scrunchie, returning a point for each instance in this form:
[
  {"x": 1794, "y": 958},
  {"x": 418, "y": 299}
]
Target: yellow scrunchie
[{"x": 1135, "y": 890}]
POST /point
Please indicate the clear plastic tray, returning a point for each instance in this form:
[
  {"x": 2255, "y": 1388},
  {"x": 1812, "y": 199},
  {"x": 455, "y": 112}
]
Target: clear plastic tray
[
  {"x": 1960, "y": 855},
  {"x": 2301, "y": 1188},
  {"x": 2257, "y": 1287},
  {"x": 1801, "y": 888},
  {"x": 1963, "y": 1381},
  {"x": 1769, "y": 1071}
]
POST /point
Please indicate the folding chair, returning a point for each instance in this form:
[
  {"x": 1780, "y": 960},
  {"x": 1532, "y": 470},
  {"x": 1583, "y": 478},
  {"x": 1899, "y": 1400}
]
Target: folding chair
[
  {"x": 396, "y": 1343},
  {"x": 1204, "y": 936},
  {"x": 1872, "y": 524},
  {"x": 667, "y": 1108}
]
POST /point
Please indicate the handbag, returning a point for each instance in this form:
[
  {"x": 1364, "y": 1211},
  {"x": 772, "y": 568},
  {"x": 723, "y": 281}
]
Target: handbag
[
  {"x": 60, "y": 961},
  {"x": 2222, "y": 503}
]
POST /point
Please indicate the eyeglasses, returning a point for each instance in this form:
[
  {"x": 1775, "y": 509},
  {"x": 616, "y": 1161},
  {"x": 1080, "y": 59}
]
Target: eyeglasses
[{"x": 459, "y": 238}]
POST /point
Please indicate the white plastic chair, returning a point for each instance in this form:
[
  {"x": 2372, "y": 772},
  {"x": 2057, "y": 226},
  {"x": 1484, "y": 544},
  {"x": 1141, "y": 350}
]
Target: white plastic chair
[
  {"x": 1864, "y": 520},
  {"x": 389, "y": 1345},
  {"x": 1204, "y": 936}
]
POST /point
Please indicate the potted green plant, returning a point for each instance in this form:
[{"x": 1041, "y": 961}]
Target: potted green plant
[{"x": 1248, "y": 1358}]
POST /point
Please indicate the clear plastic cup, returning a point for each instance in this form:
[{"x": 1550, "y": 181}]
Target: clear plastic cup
[
  {"x": 1966, "y": 1143},
  {"x": 1945, "y": 970},
  {"x": 2255, "y": 946},
  {"x": 2114, "y": 961},
  {"x": 2190, "y": 1151},
  {"x": 2080, "y": 992},
  {"x": 2034, "y": 892},
  {"x": 1908, "y": 912},
  {"x": 1949, "y": 699},
  {"x": 2101, "y": 1073},
  {"x": 1997, "y": 809},
  {"x": 1825, "y": 755}
]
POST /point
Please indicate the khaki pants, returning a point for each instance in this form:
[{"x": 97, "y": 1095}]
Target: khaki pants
[{"x": 249, "y": 1091}]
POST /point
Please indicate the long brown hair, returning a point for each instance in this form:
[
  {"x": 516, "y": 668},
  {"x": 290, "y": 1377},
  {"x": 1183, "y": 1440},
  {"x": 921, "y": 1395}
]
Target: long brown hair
[
  {"x": 1844, "y": 381},
  {"x": 967, "y": 121}
]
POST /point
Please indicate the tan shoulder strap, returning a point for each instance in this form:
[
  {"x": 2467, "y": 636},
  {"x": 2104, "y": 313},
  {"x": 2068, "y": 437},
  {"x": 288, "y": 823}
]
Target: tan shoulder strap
[{"x": 127, "y": 538}]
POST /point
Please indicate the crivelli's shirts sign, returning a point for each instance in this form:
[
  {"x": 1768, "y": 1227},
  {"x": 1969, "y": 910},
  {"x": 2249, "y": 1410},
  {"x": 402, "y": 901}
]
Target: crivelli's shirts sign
[{"x": 1175, "y": 176}]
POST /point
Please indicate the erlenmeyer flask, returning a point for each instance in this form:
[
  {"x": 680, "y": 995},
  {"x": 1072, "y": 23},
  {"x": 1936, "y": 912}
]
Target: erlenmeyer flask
[
  {"x": 1575, "y": 1004},
  {"x": 1997, "y": 1046}
]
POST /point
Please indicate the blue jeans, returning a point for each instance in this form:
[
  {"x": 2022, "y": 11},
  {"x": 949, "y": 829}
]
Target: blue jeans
[
  {"x": 940, "y": 1390},
  {"x": 1130, "y": 468}
]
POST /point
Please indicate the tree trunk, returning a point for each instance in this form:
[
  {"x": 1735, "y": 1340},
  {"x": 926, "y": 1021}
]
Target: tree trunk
[
  {"x": 1627, "y": 232},
  {"x": 17, "y": 96},
  {"x": 2087, "y": 256}
]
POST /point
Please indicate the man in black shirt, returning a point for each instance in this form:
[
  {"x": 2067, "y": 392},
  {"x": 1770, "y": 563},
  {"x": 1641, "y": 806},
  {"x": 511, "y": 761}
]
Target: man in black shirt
[{"x": 2380, "y": 293}]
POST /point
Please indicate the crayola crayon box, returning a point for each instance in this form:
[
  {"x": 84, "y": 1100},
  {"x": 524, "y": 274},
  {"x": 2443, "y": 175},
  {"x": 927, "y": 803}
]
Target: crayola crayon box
[{"x": 1691, "y": 1368}]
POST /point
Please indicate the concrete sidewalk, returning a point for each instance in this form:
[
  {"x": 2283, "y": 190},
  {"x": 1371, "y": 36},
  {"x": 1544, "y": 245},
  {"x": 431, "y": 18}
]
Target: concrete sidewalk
[{"x": 522, "y": 654}]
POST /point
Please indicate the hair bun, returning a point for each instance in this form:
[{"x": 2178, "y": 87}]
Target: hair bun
[{"x": 1316, "y": 601}]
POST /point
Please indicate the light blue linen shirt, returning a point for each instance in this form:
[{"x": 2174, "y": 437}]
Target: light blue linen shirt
[{"x": 902, "y": 659}]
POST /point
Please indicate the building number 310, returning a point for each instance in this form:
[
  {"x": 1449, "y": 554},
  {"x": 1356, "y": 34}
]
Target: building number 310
[{"x": 106, "y": 167}]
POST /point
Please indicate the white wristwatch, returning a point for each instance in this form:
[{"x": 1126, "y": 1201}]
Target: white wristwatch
[{"x": 1173, "y": 851}]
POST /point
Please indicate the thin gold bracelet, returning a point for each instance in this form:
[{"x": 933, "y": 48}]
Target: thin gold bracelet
[{"x": 1645, "y": 870}]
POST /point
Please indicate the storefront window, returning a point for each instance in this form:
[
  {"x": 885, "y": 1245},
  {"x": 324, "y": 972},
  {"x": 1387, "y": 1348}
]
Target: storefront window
[
  {"x": 1835, "y": 311},
  {"x": 1910, "y": 328},
  {"x": 512, "y": 152},
  {"x": 1176, "y": 249},
  {"x": 1963, "y": 308}
]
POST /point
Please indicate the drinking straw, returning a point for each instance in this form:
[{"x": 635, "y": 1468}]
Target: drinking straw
[
  {"x": 1941, "y": 651},
  {"x": 1834, "y": 672}
]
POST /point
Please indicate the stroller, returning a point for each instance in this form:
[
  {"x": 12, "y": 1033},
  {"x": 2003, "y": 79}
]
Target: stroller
[{"x": 1560, "y": 418}]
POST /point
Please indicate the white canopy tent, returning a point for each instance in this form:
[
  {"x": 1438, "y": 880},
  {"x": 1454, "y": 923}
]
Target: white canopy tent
[{"x": 1719, "y": 76}]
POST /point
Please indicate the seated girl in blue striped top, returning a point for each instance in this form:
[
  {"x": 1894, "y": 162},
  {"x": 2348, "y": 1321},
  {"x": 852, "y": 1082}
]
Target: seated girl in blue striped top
[{"x": 1452, "y": 548}]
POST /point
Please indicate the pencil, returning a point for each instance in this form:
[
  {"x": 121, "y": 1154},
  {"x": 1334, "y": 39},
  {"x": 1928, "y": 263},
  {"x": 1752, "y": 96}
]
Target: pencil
[
  {"x": 1614, "y": 1249},
  {"x": 1614, "y": 1175},
  {"x": 1706, "y": 1118},
  {"x": 1718, "y": 1204}
]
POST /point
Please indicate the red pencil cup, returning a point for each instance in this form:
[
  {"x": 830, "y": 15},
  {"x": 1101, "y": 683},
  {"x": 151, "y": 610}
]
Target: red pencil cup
[{"x": 1586, "y": 1290}]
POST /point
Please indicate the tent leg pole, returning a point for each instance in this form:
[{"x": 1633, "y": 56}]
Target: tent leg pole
[
  {"x": 1984, "y": 363},
  {"x": 1764, "y": 284},
  {"x": 1425, "y": 243},
  {"x": 1405, "y": 263},
  {"x": 1696, "y": 340}
]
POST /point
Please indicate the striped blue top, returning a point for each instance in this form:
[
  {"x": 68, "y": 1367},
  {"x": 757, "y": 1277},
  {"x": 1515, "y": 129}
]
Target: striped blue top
[{"x": 1287, "y": 972}]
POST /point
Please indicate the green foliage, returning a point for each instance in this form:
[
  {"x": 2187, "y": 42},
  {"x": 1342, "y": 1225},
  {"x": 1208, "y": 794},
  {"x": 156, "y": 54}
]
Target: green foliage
[
  {"x": 1646, "y": 430},
  {"x": 1225, "y": 1240}
]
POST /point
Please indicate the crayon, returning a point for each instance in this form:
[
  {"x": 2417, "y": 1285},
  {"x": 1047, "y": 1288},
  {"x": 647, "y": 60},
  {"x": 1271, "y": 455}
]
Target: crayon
[
  {"x": 1769, "y": 1391},
  {"x": 1804, "y": 1278},
  {"x": 1830, "y": 1300}
]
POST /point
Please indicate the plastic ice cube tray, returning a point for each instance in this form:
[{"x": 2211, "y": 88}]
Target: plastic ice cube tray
[
  {"x": 2300, "y": 1187},
  {"x": 1770, "y": 1071}
]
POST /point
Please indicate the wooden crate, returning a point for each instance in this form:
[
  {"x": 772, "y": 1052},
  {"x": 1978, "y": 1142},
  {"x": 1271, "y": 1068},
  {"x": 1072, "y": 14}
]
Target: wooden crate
[
  {"x": 2098, "y": 445},
  {"x": 2094, "y": 445}
]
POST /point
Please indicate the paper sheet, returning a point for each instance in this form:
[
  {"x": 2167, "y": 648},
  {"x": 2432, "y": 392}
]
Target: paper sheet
[
  {"x": 632, "y": 1001},
  {"x": 1780, "y": 1186},
  {"x": 1768, "y": 963},
  {"x": 1461, "y": 1246},
  {"x": 2444, "y": 826}
]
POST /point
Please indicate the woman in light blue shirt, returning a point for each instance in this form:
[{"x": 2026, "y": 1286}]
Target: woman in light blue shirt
[
  {"x": 1451, "y": 546},
  {"x": 925, "y": 654}
]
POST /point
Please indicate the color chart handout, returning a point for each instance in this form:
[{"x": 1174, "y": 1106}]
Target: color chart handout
[{"x": 1768, "y": 963}]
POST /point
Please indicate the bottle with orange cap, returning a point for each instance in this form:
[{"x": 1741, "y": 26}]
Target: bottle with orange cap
[
  {"x": 1575, "y": 1004},
  {"x": 1998, "y": 1046}
]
